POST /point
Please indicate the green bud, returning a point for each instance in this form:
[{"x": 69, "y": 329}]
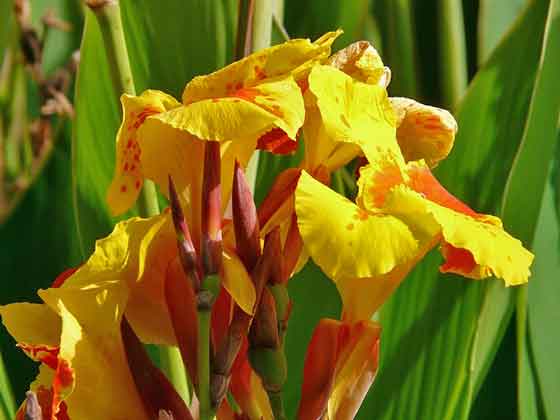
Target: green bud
[{"x": 271, "y": 366}]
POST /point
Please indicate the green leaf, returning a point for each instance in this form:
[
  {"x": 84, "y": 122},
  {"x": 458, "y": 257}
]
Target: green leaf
[
  {"x": 313, "y": 296},
  {"x": 544, "y": 289},
  {"x": 431, "y": 321},
  {"x": 168, "y": 43},
  {"x": 532, "y": 168},
  {"x": 494, "y": 18}
]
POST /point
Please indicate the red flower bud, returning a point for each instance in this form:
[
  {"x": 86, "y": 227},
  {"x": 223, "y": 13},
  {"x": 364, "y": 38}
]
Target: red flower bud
[
  {"x": 245, "y": 220},
  {"x": 211, "y": 210}
]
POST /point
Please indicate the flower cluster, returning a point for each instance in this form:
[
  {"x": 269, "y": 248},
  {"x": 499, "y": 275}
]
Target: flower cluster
[{"x": 209, "y": 275}]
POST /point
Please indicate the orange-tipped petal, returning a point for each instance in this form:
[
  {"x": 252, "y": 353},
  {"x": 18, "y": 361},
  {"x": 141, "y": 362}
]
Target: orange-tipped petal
[
  {"x": 319, "y": 370},
  {"x": 340, "y": 366},
  {"x": 423, "y": 132}
]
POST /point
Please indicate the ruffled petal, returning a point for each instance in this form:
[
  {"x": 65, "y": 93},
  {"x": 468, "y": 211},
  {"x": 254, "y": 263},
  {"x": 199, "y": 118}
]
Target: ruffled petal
[
  {"x": 129, "y": 176},
  {"x": 423, "y": 132},
  {"x": 294, "y": 57},
  {"x": 246, "y": 114},
  {"x": 362, "y": 62},
  {"x": 493, "y": 251},
  {"x": 345, "y": 240},
  {"x": 354, "y": 112}
]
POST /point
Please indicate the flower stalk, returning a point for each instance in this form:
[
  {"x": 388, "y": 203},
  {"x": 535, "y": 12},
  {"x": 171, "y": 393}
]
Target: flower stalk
[{"x": 108, "y": 15}]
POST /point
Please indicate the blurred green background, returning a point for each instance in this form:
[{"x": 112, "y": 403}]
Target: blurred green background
[{"x": 451, "y": 348}]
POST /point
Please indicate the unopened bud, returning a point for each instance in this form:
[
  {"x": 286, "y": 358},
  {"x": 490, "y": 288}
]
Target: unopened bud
[
  {"x": 187, "y": 252},
  {"x": 245, "y": 220},
  {"x": 264, "y": 329},
  {"x": 271, "y": 366},
  {"x": 212, "y": 210}
]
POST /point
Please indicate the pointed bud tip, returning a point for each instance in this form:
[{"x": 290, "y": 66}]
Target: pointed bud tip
[{"x": 245, "y": 220}]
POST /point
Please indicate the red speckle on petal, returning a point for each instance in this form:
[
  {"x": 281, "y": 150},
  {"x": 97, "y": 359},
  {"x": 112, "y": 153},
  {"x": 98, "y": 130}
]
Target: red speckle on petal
[
  {"x": 123, "y": 188},
  {"x": 125, "y": 168},
  {"x": 259, "y": 73},
  {"x": 137, "y": 184},
  {"x": 350, "y": 226},
  {"x": 238, "y": 85},
  {"x": 360, "y": 214},
  {"x": 132, "y": 168}
]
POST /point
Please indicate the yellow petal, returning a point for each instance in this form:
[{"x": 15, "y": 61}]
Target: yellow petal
[
  {"x": 246, "y": 115},
  {"x": 362, "y": 297},
  {"x": 293, "y": 57},
  {"x": 494, "y": 251},
  {"x": 345, "y": 240},
  {"x": 128, "y": 177},
  {"x": 31, "y": 323},
  {"x": 362, "y": 62},
  {"x": 354, "y": 112},
  {"x": 237, "y": 282},
  {"x": 127, "y": 272},
  {"x": 423, "y": 132}
]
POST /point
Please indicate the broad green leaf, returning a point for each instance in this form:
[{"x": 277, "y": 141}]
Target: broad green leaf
[
  {"x": 494, "y": 18},
  {"x": 430, "y": 323},
  {"x": 544, "y": 289},
  {"x": 531, "y": 168},
  {"x": 168, "y": 43},
  {"x": 313, "y": 296}
]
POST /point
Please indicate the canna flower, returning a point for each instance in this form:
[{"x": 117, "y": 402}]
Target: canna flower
[
  {"x": 401, "y": 212},
  {"x": 254, "y": 102},
  {"x": 348, "y": 115}
]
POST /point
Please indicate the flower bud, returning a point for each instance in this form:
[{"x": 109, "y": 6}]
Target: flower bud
[
  {"x": 245, "y": 220},
  {"x": 187, "y": 252},
  {"x": 211, "y": 210}
]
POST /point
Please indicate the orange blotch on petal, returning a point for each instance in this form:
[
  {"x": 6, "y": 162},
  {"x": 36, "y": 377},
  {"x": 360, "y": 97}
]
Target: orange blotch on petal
[
  {"x": 457, "y": 260},
  {"x": 42, "y": 353},
  {"x": 277, "y": 141},
  {"x": 423, "y": 181}
]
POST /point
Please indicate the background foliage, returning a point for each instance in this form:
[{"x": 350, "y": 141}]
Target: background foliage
[{"x": 451, "y": 348}]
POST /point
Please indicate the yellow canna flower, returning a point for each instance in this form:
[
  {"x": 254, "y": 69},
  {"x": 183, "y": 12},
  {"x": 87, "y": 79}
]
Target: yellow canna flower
[
  {"x": 255, "y": 101},
  {"x": 76, "y": 332},
  {"x": 401, "y": 212},
  {"x": 348, "y": 114}
]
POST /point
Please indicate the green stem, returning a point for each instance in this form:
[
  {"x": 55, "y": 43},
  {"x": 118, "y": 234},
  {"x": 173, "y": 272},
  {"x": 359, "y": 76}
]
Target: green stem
[
  {"x": 261, "y": 33},
  {"x": 453, "y": 54},
  {"x": 109, "y": 18},
  {"x": 203, "y": 369},
  {"x": 402, "y": 48},
  {"x": 277, "y": 405}
]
